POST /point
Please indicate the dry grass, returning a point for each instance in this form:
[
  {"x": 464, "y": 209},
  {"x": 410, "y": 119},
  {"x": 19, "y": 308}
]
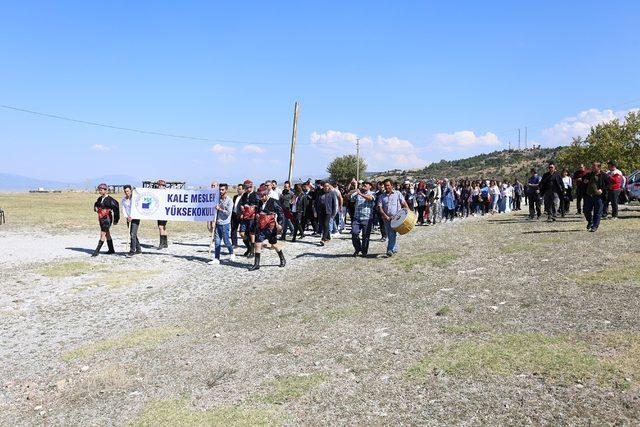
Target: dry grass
[
  {"x": 561, "y": 359},
  {"x": 172, "y": 413},
  {"x": 58, "y": 270},
  {"x": 148, "y": 337},
  {"x": 432, "y": 259},
  {"x": 286, "y": 388}
]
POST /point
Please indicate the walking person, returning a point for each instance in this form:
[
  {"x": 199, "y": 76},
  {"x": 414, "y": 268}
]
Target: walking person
[
  {"x": 552, "y": 189},
  {"x": 285, "y": 203},
  {"x": 388, "y": 206},
  {"x": 270, "y": 219},
  {"x": 326, "y": 210},
  {"x": 597, "y": 183},
  {"x": 298, "y": 208},
  {"x": 247, "y": 206},
  {"x": 422, "y": 198},
  {"x": 518, "y": 191},
  {"x": 362, "y": 220},
  {"x": 108, "y": 214},
  {"x": 565, "y": 202},
  {"x": 224, "y": 209},
  {"x": 617, "y": 183},
  {"x": 581, "y": 187},
  {"x": 235, "y": 215},
  {"x": 162, "y": 224},
  {"x": 533, "y": 195},
  {"x": 132, "y": 224},
  {"x": 377, "y": 217}
]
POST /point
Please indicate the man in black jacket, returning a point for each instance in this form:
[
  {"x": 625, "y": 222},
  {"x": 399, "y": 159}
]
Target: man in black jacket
[
  {"x": 552, "y": 189},
  {"x": 596, "y": 185},
  {"x": 108, "y": 213}
]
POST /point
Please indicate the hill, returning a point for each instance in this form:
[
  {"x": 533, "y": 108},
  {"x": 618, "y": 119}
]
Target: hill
[{"x": 495, "y": 165}]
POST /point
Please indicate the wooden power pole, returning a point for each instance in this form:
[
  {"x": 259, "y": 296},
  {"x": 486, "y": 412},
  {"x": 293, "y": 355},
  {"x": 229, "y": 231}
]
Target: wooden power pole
[
  {"x": 294, "y": 139},
  {"x": 357, "y": 159}
]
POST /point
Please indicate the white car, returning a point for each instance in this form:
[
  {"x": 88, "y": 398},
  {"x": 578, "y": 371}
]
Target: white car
[{"x": 633, "y": 185}]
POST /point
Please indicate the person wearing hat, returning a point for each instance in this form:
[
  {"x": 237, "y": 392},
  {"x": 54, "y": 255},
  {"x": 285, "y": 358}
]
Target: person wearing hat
[
  {"x": 270, "y": 221},
  {"x": 248, "y": 206},
  {"x": 108, "y": 213},
  {"x": 162, "y": 224}
]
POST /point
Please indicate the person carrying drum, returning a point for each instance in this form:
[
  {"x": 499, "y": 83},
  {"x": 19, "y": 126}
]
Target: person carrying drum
[
  {"x": 389, "y": 204},
  {"x": 108, "y": 213},
  {"x": 269, "y": 222},
  {"x": 162, "y": 224}
]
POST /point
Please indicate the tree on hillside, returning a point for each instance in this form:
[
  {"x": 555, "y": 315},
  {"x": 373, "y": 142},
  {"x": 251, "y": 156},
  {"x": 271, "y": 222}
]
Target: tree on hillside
[
  {"x": 615, "y": 140},
  {"x": 343, "y": 168}
]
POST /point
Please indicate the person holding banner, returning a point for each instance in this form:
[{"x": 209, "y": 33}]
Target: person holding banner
[
  {"x": 248, "y": 206},
  {"x": 270, "y": 221},
  {"x": 132, "y": 224},
  {"x": 162, "y": 224},
  {"x": 108, "y": 213},
  {"x": 223, "y": 224}
]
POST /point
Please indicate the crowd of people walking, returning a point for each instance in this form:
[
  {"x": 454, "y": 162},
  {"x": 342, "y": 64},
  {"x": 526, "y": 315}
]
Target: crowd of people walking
[{"x": 268, "y": 214}]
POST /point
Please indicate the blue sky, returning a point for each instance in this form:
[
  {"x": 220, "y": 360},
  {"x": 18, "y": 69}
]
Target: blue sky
[{"x": 417, "y": 81}]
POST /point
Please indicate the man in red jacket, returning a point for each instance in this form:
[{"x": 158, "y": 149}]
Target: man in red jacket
[{"x": 617, "y": 181}]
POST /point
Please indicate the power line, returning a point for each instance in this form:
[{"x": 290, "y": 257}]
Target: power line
[{"x": 141, "y": 131}]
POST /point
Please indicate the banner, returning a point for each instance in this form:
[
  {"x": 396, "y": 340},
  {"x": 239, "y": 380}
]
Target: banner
[{"x": 174, "y": 205}]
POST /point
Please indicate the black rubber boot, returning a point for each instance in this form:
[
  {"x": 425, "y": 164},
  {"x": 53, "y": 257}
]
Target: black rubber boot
[
  {"x": 283, "y": 261},
  {"x": 110, "y": 244},
  {"x": 97, "y": 251},
  {"x": 160, "y": 244},
  {"x": 252, "y": 250},
  {"x": 256, "y": 263},
  {"x": 247, "y": 244},
  {"x": 166, "y": 241}
]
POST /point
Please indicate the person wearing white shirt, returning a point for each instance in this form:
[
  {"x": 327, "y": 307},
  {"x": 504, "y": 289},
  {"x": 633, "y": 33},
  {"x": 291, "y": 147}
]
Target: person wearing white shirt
[
  {"x": 132, "y": 224},
  {"x": 566, "y": 199}
]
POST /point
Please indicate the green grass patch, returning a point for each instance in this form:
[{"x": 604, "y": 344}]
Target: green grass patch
[
  {"x": 465, "y": 328},
  {"x": 515, "y": 248},
  {"x": 443, "y": 311},
  {"x": 284, "y": 389},
  {"x": 434, "y": 259},
  {"x": 66, "y": 269},
  {"x": 617, "y": 274},
  {"x": 148, "y": 337},
  {"x": 558, "y": 358},
  {"x": 115, "y": 280},
  {"x": 179, "y": 413}
]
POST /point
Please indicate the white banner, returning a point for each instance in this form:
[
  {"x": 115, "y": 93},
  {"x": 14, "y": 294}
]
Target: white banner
[{"x": 174, "y": 205}]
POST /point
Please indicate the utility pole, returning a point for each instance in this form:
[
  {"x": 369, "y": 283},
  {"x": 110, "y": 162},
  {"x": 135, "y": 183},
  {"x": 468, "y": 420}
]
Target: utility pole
[
  {"x": 509, "y": 145},
  {"x": 357, "y": 159},
  {"x": 518, "y": 139},
  {"x": 525, "y": 137},
  {"x": 294, "y": 139}
]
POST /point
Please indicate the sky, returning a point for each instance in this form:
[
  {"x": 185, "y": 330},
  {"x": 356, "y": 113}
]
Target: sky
[{"x": 416, "y": 81}]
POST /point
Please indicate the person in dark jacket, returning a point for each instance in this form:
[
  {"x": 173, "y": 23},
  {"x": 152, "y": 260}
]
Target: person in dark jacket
[
  {"x": 270, "y": 221},
  {"x": 597, "y": 183},
  {"x": 108, "y": 213},
  {"x": 299, "y": 206},
  {"x": 580, "y": 187},
  {"x": 247, "y": 207},
  {"x": 286, "y": 196},
  {"x": 235, "y": 215},
  {"x": 552, "y": 189},
  {"x": 533, "y": 195},
  {"x": 326, "y": 209}
]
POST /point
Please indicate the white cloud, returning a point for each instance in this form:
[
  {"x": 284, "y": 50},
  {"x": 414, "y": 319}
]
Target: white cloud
[
  {"x": 251, "y": 148},
  {"x": 579, "y": 125},
  {"x": 100, "y": 147},
  {"x": 226, "y": 158},
  {"x": 222, "y": 149},
  {"x": 465, "y": 139},
  {"x": 380, "y": 153}
]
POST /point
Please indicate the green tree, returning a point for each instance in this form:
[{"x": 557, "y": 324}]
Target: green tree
[
  {"x": 343, "y": 168},
  {"x": 614, "y": 140}
]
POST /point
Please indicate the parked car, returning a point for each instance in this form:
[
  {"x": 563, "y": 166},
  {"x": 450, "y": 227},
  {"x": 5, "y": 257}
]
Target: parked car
[{"x": 633, "y": 185}]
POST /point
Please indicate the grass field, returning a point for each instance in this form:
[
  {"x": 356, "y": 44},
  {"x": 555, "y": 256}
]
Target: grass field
[{"x": 487, "y": 321}]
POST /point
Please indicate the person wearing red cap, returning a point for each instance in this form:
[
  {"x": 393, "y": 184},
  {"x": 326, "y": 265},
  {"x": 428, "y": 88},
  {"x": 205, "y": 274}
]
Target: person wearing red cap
[
  {"x": 162, "y": 224},
  {"x": 108, "y": 213},
  {"x": 248, "y": 206},
  {"x": 269, "y": 223}
]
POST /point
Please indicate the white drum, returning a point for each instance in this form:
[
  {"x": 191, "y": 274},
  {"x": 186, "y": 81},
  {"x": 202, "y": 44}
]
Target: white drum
[{"x": 404, "y": 221}]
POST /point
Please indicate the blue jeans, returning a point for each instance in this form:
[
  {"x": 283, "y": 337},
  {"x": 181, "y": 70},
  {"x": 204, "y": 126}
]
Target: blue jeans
[
  {"x": 223, "y": 232},
  {"x": 593, "y": 209},
  {"x": 363, "y": 225},
  {"x": 391, "y": 237}
]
